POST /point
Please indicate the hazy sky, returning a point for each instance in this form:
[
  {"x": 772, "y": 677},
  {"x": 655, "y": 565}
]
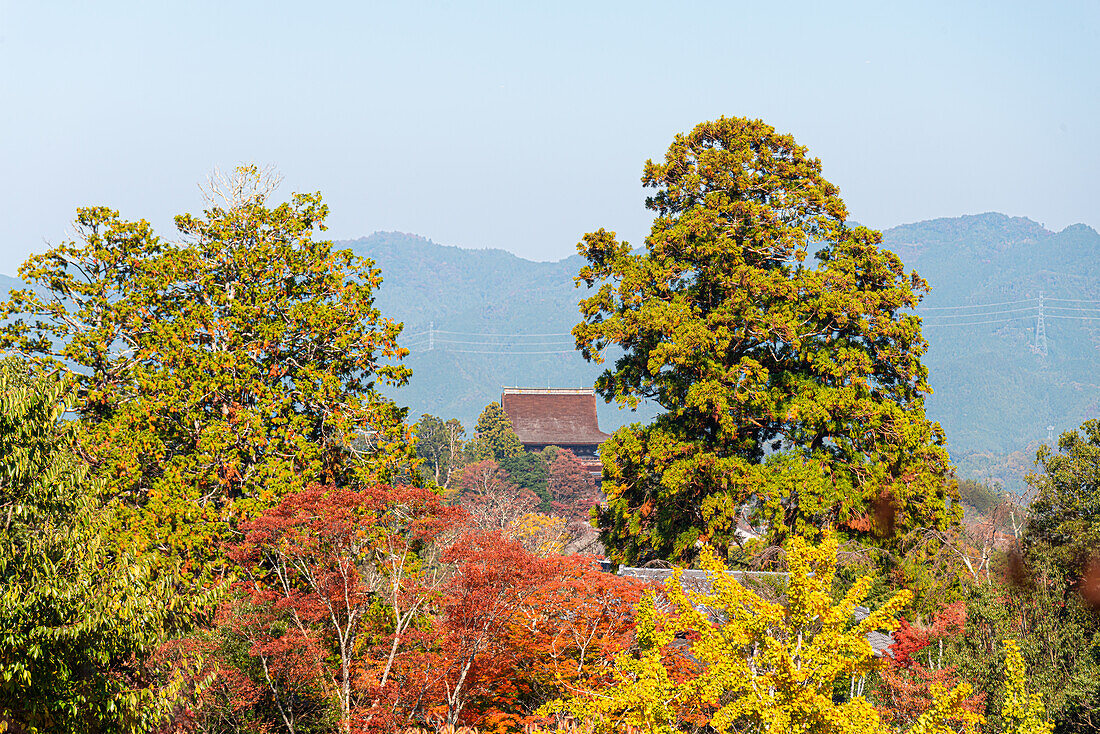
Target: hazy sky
[{"x": 522, "y": 125}]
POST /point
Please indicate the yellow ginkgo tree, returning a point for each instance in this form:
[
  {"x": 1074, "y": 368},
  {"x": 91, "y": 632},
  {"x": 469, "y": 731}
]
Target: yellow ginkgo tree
[
  {"x": 1022, "y": 710},
  {"x": 732, "y": 661}
]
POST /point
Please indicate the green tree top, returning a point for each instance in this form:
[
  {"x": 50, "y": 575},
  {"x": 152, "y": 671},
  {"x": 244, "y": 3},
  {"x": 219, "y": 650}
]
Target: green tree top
[
  {"x": 1063, "y": 530},
  {"x": 79, "y": 617},
  {"x": 793, "y": 392},
  {"x": 221, "y": 372},
  {"x": 88, "y": 306},
  {"x": 494, "y": 437},
  {"x": 440, "y": 444}
]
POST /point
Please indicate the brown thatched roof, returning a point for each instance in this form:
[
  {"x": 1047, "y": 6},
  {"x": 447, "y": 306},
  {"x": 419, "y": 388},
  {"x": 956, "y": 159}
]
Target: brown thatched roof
[{"x": 553, "y": 417}]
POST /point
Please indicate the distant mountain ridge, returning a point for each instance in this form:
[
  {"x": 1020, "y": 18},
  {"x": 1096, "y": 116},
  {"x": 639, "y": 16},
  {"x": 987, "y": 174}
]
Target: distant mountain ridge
[
  {"x": 477, "y": 320},
  {"x": 993, "y": 393},
  {"x": 8, "y": 284}
]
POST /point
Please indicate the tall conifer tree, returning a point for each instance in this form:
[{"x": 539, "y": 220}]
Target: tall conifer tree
[
  {"x": 792, "y": 390},
  {"x": 494, "y": 436}
]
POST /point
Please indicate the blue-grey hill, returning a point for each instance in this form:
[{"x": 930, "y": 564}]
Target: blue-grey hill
[
  {"x": 993, "y": 393},
  {"x": 477, "y": 320}
]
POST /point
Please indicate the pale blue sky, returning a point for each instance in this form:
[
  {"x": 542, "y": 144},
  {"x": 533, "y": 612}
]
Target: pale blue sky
[{"x": 524, "y": 125}]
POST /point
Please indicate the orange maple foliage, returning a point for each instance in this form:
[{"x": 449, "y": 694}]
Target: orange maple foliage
[
  {"x": 335, "y": 579},
  {"x": 512, "y": 631},
  {"x": 915, "y": 664}
]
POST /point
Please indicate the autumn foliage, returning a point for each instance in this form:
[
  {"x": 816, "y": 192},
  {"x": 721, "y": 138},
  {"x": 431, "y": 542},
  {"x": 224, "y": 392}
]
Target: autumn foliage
[
  {"x": 228, "y": 537},
  {"x": 398, "y": 608},
  {"x": 332, "y": 571},
  {"x": 572, "y": 487},
  {"x": 915, "y": 666}
]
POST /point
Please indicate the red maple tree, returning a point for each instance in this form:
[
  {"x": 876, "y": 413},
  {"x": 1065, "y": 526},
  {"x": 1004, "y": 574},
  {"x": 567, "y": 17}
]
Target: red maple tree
[
  {"x": 572, "y": 487},
  {"x": 573, "y": 625},
  {"x": 512, "y": 631},
  {"x": 385, "y": 602},
  {"x": 317, "y": 567},
  {"x": 492, "y": 499},
  {"x": 915, "y": 664}
]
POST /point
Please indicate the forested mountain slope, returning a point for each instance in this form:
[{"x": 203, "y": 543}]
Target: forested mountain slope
[
  {"x": 994, "y": 395},
  {"x": 477, "y": 320}
]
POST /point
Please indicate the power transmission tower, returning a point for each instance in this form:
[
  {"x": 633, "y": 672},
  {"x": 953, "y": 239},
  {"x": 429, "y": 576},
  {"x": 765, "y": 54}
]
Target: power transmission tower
[
  {"x": 1041, "y": 330},
  {"x": 431, "y": 334}
]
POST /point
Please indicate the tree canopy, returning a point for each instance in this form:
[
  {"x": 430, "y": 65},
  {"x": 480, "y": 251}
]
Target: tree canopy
[
  {"x": 753, "y": 664},
  {"x": 1063, "y": 530},
  {"x": 494, "y": 437},
  {"x": 221, "y": 372},
  {"x": 78, "y": 618},
  {"x": 792, "y": 389},
  {"x": 440, "y": 444}
]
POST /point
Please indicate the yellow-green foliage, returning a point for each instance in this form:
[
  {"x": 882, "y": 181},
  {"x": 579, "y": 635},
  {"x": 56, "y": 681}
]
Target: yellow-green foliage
[
  {"x": 217, "y": 374},
  {"x": 1022, "y": 711},
  {"x": 79, "y": 619},
  {"x": 568, "y": 727},
  {"x": 792, "y": 387},
  {"x": 759, "y": 666}
]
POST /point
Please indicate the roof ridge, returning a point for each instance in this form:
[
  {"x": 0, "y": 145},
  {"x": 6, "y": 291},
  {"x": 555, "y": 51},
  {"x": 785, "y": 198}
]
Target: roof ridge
[{"x": 548, "y": 391}]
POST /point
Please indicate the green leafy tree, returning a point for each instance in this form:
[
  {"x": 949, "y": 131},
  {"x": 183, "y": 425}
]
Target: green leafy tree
[
  {"x": 1054, "y": 631},
  {"x": 1063, "y": 529},
  {"x": 87, "y": 303},
  {"x": 79, "y": 620},
  {"x": 494, "y": 437},
  {"x": 530, "y": 470},
  {"x": 440, "y": 444},
  {"x": 981, "y": 496},
  {"x": 792, "y": 391},
  {"x": 223, "y": 372}
]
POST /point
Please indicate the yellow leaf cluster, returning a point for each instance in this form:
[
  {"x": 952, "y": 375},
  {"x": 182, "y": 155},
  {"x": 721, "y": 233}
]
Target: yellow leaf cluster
[
  {"x": 543, "y": 535},
  {"x": 748, "y": 664},
  {"x": 1022, "y": 711}
]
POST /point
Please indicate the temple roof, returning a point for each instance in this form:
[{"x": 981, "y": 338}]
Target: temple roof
[{"x": 553, "y": 417}]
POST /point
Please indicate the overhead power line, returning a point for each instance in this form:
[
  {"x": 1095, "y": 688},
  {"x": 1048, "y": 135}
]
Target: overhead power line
[
  {"x": 479, "y": 351},
  {"x": 482, "y": 342},
  {"x": 976, "y": 305},
  {"x": 973, "y": 323},
  {"x": 496, "y": 334},
  {"x": 974, "y": 314},
  {"x": 1074, "y": 300},
  {"x": 981, "y": 313}
]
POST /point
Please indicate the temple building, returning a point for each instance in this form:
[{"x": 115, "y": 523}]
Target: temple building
[{"x": 556, "y": 417}]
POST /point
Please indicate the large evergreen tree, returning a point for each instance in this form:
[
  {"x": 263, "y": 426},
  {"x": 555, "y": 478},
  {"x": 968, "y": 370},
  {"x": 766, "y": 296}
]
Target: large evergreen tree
[
  {"x": 792, "y": 390},
  {"x": 222, "y": 372},
  {"x": 494, "y": 437}
]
